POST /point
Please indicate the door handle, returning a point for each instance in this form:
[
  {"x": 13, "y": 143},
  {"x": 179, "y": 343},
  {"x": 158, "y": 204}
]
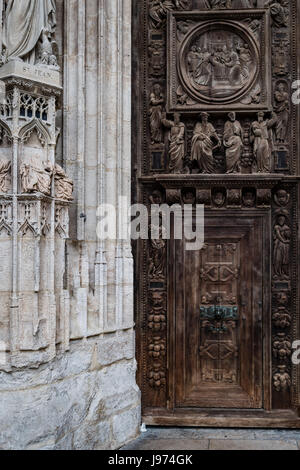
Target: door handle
[{"x": 217, "y": 315}]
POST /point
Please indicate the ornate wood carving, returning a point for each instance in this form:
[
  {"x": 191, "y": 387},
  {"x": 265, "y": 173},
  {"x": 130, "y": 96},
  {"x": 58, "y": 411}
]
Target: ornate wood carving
[{"x": 216, "y": 126}]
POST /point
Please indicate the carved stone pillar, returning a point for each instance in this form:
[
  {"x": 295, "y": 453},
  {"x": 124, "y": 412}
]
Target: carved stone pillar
[{"x": 35, "y": 195}]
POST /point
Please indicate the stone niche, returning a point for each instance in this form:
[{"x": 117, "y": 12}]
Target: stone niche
[{"x": 219, "y": 58}]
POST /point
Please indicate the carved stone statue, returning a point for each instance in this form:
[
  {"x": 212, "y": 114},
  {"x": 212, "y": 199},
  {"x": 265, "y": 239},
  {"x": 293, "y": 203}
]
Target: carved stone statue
[
  {"x": 282, "y": 109},
  {"x": 156, "y": 102},
  {"x": 282, "y": 242},
  {"x": 176, "y": 139},
  {"x": 5, "y": 175},
  {"x": 261, "y": 137},
  {"x": 204, "y": 141},
  {"x": 63, "y": 184},
  {"x": 24, "y": 23},
  {"x": 233, "y": 142},
  {"x": 36, "y": 176}
]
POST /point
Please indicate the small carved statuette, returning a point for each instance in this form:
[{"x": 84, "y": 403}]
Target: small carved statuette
[
  {"x": 205, "y": 140},
  {"x": 281, "y": 379},
  {"x": 262, "y": 141},
  {"x": 36, "y": 176},
  {"x": 282, "y": 242},
  {"x": 176, "y": 146},
  {"x": 155, "y": 111},
  {"x": 233, "y": 142},
  {"x": 63, "y": 184},
  {"x": 5, "y": 175},
  {"x": 282, "y": 109}
]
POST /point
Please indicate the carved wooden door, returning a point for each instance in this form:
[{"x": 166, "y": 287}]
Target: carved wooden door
[
  {"x": 218, "y": 317},
  {"x": 215, "y": 124}
]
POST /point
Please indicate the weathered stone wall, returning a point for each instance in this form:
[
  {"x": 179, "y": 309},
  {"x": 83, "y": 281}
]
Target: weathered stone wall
[
  {"x": 84, "y": 399},
  {"x": 84, "y": 395}
]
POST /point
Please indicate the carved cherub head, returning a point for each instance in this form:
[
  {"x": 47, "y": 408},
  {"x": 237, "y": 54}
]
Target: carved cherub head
[
  {"x": 248, "y": 198},
  {"x": 156, "y": 197},
  {"x": 219, "y": 198},
  {"x": 282, "y": 197}
]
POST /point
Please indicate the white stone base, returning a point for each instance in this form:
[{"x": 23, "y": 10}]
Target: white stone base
[
  {"x": 39, "y": 74},
  {"x": 86, "y": 399}
]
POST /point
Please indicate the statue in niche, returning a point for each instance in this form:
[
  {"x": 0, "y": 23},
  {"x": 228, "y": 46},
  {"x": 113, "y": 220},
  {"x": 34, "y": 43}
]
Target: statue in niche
[
  {"x": 282, "y": 197},
  {"x": 261, "y": 137},
  {"x": 233, "y": 142},
  {"x": 282, "y": 109},
  {"x": 160, "y": 8},
  {"x": 158, "y": 244},
  {"x": 36, "y": 176},
  {"x": 5, "y": 175},
  {"x": 156, "y": 108},
  {"x": 28, "y": 27},
  {"x": 176, "y": 143},
  {"x": 205, "y": 141},
  {"x": 282, "y": 242},
  {"x": 63, "y": 184}
]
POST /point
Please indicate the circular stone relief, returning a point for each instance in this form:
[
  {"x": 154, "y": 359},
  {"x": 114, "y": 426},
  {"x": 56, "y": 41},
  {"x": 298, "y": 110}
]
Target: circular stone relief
[{"x": 218, "y": 62}]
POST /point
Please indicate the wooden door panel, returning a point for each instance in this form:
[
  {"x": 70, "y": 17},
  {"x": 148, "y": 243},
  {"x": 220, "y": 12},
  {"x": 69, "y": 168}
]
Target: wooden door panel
[{"x": 218, "y": 320}]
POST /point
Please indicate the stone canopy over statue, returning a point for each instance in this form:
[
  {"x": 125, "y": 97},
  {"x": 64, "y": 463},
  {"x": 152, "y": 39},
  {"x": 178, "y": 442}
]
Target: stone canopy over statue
[{"x": 28, "y": 29}]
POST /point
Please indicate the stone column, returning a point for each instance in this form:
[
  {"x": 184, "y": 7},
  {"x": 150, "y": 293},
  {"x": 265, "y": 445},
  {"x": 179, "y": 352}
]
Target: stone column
[{"x": 31, "y": 214}]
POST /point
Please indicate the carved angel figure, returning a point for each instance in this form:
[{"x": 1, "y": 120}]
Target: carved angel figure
[
  {"x": 5, "y": 175},
  {"x": 23, "y": 25},
  {"x": 36, "y": 176},
  {"x": 63, "y": 184}
]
